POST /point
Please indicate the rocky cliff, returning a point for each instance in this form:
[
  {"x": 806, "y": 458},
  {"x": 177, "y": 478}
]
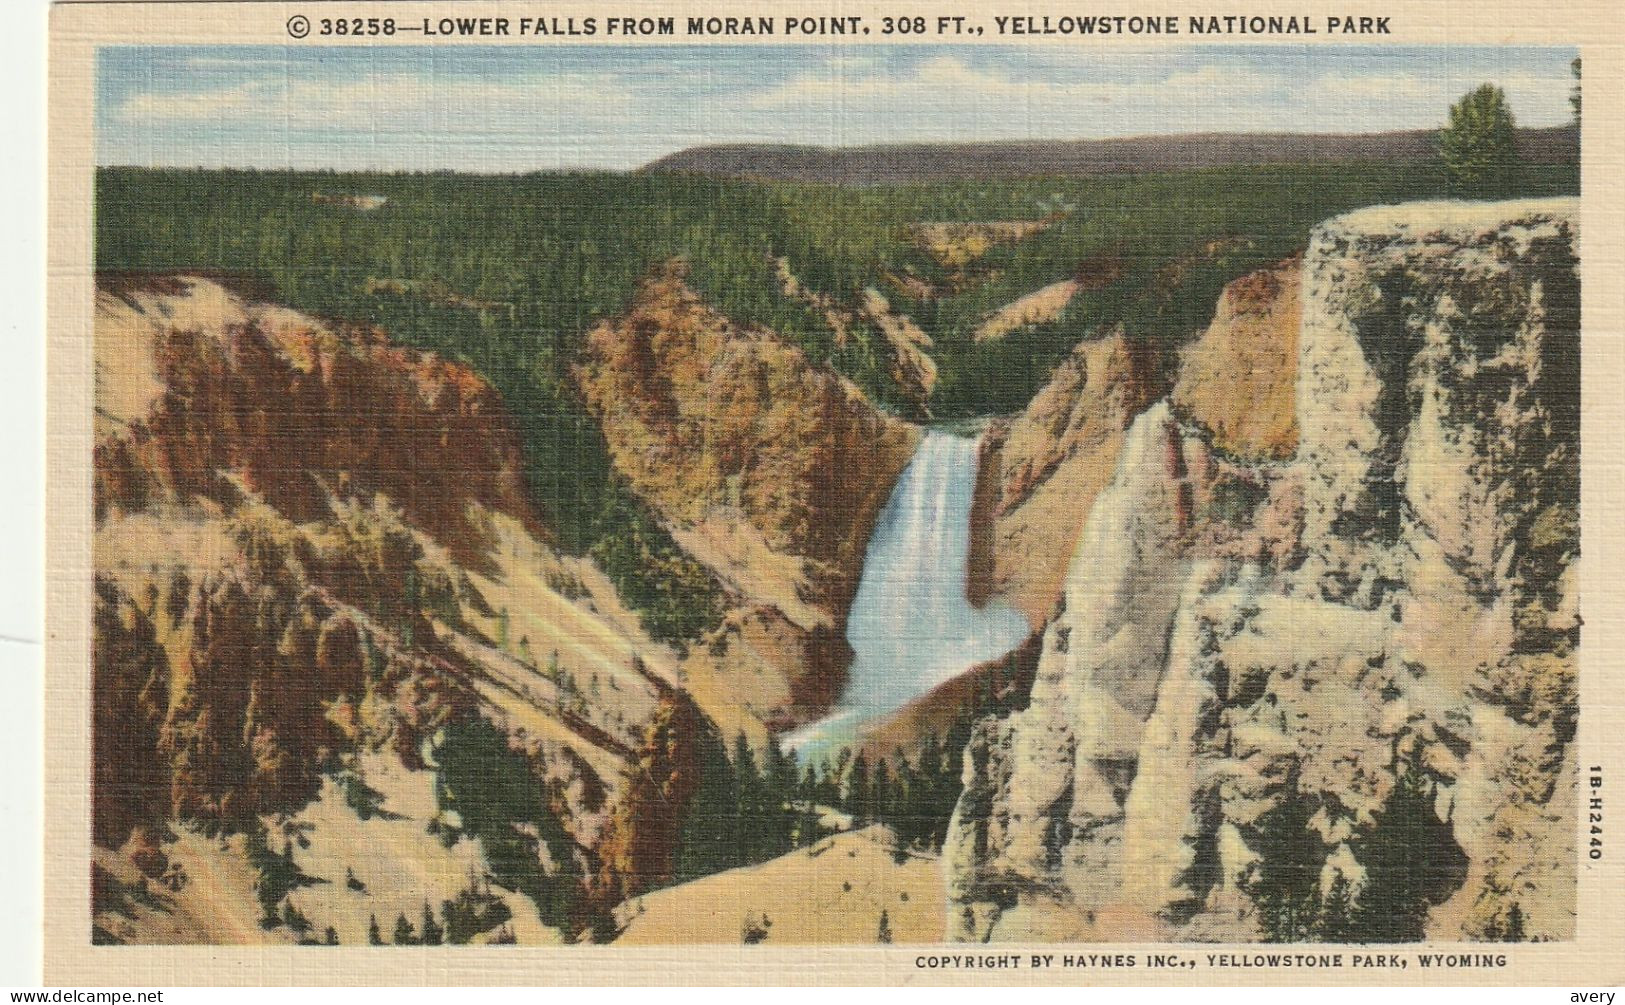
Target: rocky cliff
[
  {"x": 1258, "y": 660},
  {"x": 1236, "y": 382},
  {"x": 322, "y": 598},
  {"x": 766, "y": 468}
]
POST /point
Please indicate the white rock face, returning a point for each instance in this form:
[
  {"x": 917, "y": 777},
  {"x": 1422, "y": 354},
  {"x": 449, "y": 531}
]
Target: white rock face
[
  {"x": 1059, "y": 770},
  {"x": 1427, "y": 607}
]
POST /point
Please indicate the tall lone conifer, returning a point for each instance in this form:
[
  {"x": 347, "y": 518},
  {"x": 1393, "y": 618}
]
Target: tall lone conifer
[
  {"x": 1574, "y": 92},
  {"x": 1479, "y": 144}
]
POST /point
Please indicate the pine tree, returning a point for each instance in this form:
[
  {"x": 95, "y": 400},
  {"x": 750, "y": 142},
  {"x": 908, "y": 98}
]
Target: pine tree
[
  {"x": 953, "y": 748},
  {"x": 472, "y": 911},
  {"x": 296, "y": 921},
  {"x": 707, "y": 837},
  {"x": 882, "y": 802},
  {"x": 1514, "y": 927},
  {"x": 374, "y": 936},
  {"x": 409, "y": 621},
  {"x": 790, "y": 773},
  {"x": 779, "y": 771},
  {"x": 1285, "y": 884},
  {"x": 860, "y": 791},
  {"x": 807, "y": 823},
  {"x": 748, "y": 823},
  {"x": 829, "y": 786},
  {"x": 906, "y": 817},
  {"x": 939, "y": 790},
  {"x": 949, "y": 770},
  {"x": 883, "y": 933},
  {"x": 404, "y": 936},
  {"x": 432, "y": 932},
  {"x": 503, "y": 800},
  {"x": 1574, "y": 92},
  {"x": 1479, "y": 144}
]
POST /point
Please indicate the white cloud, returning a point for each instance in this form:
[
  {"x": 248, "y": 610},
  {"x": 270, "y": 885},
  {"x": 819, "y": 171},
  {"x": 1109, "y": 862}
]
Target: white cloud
[
  {"x": 936, "y": 80},
  {"x": 950, "y": 97},
  {"x": 235, "y": 63},
  {"x": 1224, "y": 81},
  {"x": 1388, "y": 87},
  {"x": 1420, "y": 99},
  {"x": 381, "y": 103}
]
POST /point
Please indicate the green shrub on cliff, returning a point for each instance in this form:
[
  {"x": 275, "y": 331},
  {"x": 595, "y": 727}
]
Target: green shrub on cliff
[
  {"x": 741, "y": 813},
  {"x": 1411, "y": 861},
  {"x": 676, "y": 597},
  {"x": 1285, "y": 885}
]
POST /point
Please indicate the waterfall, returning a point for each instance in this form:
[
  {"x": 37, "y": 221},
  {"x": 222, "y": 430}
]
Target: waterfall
[{"x": 911, "y": 626}]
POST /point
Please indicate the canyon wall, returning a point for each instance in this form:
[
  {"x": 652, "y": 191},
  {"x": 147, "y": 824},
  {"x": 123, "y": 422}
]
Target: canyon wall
[
  {"x": 320, "y": 587},
  {"x": 1043, "y": 467},
  {"x": 767, "y": 469},
  {"x": 1040, "y": 468}
]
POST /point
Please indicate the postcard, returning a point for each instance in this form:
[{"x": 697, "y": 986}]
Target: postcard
[{"x": 895, "y": 493}]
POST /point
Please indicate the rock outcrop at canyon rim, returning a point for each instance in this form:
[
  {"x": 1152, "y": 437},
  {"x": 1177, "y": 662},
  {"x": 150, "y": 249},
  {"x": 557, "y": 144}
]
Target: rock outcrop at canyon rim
[
  {"x": 1240, "y": 634},
  {"x": 1239, "y": 378}
]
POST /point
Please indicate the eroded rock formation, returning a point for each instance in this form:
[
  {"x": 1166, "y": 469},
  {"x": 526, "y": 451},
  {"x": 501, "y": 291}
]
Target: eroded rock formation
[
  {"x": 1239, "y": 378},
  {"x": 766, "y": 468},
  {"x": 1236, "y": 633}
]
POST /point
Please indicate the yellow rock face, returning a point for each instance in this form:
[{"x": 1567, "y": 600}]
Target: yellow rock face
[
  {"x": 312, "y": 548},
  {"x": 1239, "y": 380}
]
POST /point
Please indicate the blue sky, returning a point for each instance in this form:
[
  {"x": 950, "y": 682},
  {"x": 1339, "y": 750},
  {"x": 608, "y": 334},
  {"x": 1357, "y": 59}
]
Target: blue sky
[{"x": 522, "y": 108}]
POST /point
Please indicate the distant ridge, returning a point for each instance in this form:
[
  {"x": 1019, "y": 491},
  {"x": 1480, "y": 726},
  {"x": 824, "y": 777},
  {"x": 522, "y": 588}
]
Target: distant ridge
[{"x": 914, "y": 162}]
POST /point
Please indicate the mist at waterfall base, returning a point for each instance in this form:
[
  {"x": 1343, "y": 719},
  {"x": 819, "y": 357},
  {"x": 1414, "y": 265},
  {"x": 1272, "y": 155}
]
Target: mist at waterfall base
[{"x": 911, "y": 626}]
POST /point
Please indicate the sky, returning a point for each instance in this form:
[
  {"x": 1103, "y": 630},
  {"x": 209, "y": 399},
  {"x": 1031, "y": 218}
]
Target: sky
[{"x": 521, "y": 108}]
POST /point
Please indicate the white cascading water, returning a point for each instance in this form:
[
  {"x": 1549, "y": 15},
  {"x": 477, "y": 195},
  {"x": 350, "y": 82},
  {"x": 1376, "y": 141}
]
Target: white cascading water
[{"x": 911, "y": 626}]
